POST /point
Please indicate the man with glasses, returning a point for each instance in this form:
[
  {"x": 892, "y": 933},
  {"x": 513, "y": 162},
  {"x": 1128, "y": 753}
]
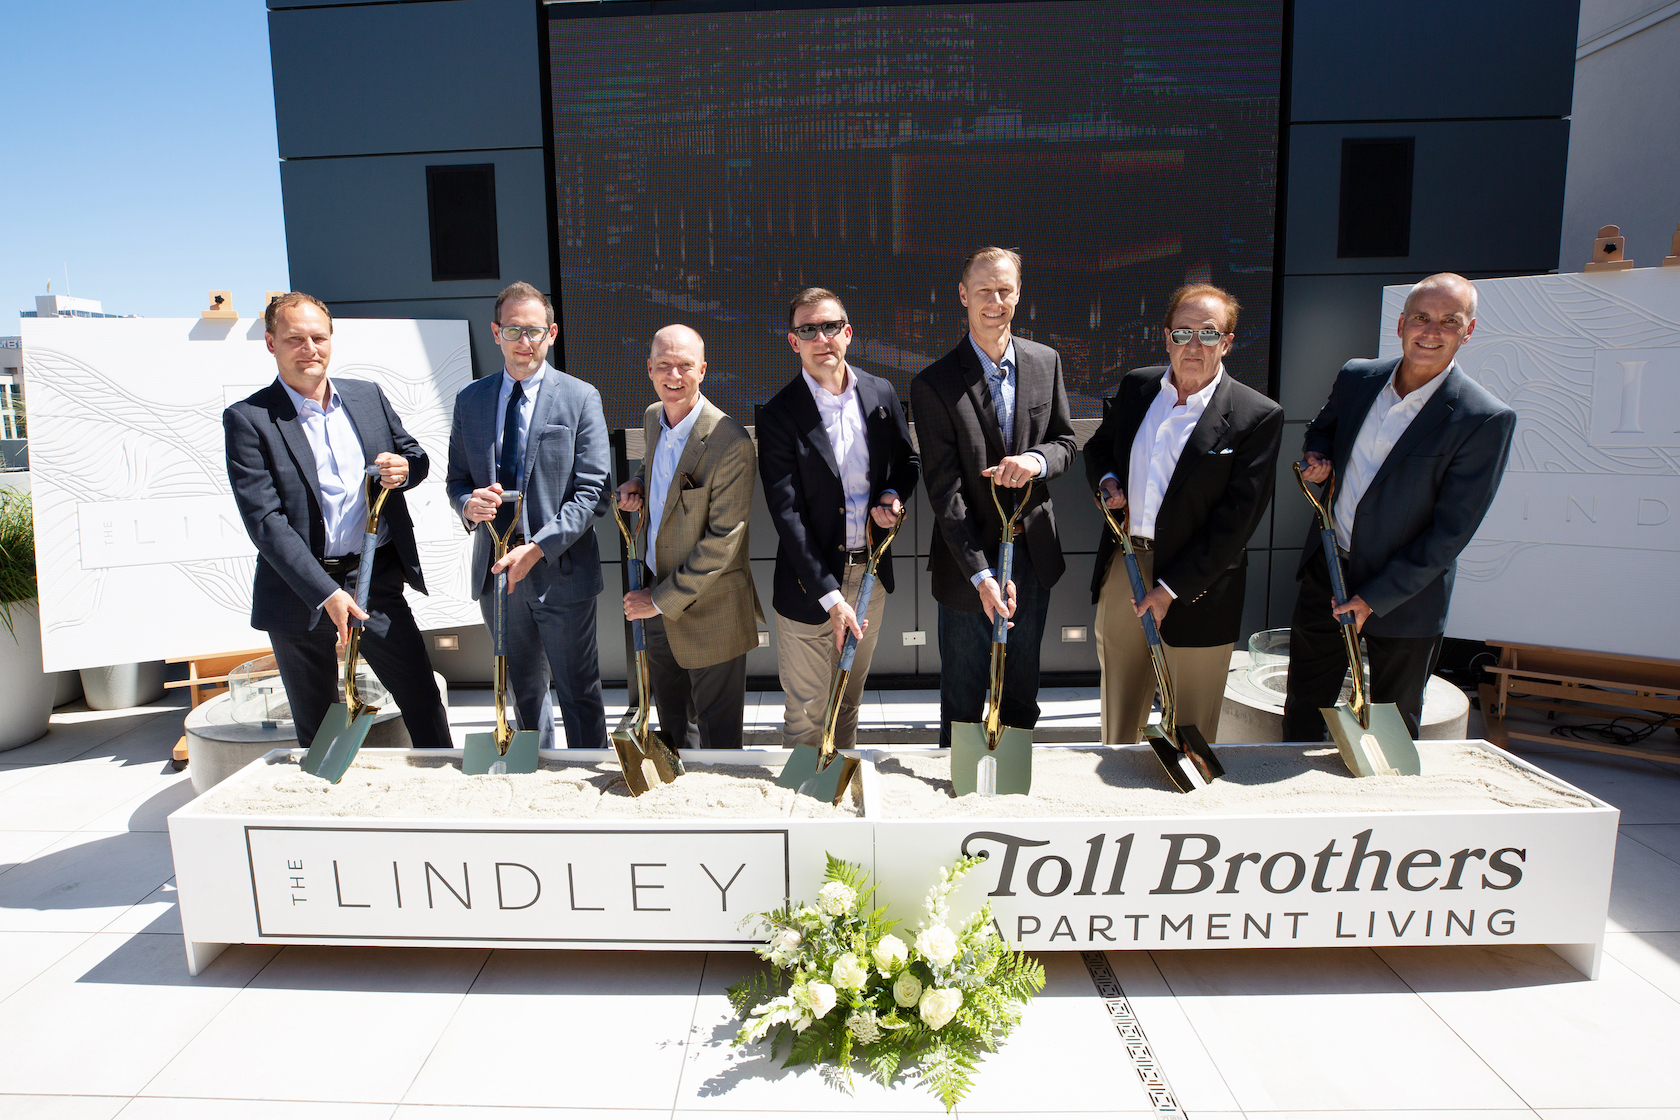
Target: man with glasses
[
  {"x": 834, "y": 452},
  {"x": 1417, "y": 450},
  {"x": 540, "y": 432},
  {"x": 1192, "y": 453},
  {"x": 994, "y": 408}
]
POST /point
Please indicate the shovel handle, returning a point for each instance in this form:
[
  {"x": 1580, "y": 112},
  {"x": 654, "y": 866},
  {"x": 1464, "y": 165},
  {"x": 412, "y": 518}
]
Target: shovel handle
[
  {"x": 364, "y": 574},
  {"x": 1135, "y": 575},
  {"x": 848, "y": 651},
  {"x": 1006, "y": 563},
  {"x": 1338, "y": 586}
]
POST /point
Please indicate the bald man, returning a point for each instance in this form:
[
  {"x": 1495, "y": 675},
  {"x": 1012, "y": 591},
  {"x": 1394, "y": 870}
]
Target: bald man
[
  {"x": 700, "y": 607},
  {"x": 1417, "y": 450}
]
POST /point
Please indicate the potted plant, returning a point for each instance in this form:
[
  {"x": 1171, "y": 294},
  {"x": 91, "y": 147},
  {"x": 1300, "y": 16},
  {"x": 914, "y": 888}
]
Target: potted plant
[{"x": 26, "y": 693}]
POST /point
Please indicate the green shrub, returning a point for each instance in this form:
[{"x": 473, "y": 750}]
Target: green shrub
[{"x": 17, "y": 552}]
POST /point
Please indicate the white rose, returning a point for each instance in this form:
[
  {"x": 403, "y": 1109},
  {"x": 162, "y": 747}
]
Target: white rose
[
  {"x": 785, "y": 940},
  {"x": 938, "y": 1005},
  {"x": 864, "y": 1028},
  {"x": 907, "y": 989},
  {"x": 836, "y": 899},
  {"x": 937, "y": 945},
  {"x": 849, "y": 974},
  {"x": 890, "y": 954},
  {"x": 821, "y": 998}
]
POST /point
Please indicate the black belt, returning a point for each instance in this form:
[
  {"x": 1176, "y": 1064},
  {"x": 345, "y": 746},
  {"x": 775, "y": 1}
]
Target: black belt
[
  {"x": 341, "y": 565},
  {"x": 1143, "y": 544},
  {"x": 855, "y": 555}
]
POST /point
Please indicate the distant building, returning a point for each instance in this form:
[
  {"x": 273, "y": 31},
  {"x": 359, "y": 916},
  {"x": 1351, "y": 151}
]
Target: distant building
[
  {"x": 13, "y": 419},
  {"x": 68, "y": 307}
]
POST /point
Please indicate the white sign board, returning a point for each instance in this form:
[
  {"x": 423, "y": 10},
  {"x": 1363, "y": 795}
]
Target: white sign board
[
  {"x": 140, "y": 549},
  {"x": 1582, "y": 544}
]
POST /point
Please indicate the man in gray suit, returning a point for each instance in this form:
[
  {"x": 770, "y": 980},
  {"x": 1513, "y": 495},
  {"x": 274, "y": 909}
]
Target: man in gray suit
[
  {"x": 541, "y": 432},
  {"x": 1417, "y": 450}
]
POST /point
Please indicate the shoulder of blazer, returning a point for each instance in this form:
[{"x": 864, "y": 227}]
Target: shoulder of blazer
[
  {"x": 1362, "y": 368},
  {"x": 1035, "y": 350},
  {"x": 1472, "y": 398},
  {"x": 1250, "y": 401},
  {"x": 786, "y": 398},
  {"x": 271, "y": 398},
  {"x": 948, "y": 375}
]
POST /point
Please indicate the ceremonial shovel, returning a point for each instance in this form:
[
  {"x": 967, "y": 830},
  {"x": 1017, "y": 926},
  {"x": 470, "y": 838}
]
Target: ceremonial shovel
[
  {"x": 1372, "y": 738},
  {"x": 1182, "y": 750},
  {"x": 642, "y": 755},
  {"x": 346, "y": 725},
  {"x": 808, "y": 769},
  {"x": 989, "y": 758},
  {"x": 503, "y": 751}
]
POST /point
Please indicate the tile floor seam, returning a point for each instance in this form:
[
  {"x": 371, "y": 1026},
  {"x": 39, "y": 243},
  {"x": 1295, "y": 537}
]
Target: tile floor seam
[
  {"x": 1452, "y": 1030},
  {"x": 182, "y": 712},
  {"x": 1619, "y": 835},
  {"x": 1191, "y": 1023},
  {"x": 50, "y": 966},
  {"x": 1640, "y": 976},
  {"x": 402, "y": 1098},
  {"x": 693, "y": 1021}
]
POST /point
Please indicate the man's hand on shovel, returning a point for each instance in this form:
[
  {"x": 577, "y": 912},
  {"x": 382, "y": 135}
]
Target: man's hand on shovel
[
  {"x": 844, "y": 618},
  {"x": 991, "y": 600},
  {"x": 340, "y": 606},
  {"x": 518, "y": 563},
  {"x": 1318, "y": 469},
  {"x": 1361, "y": 611},
  {"x": 1156, "y": 603}
]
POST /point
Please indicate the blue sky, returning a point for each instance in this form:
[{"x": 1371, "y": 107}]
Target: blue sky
[{"x": 141, "y": 153}]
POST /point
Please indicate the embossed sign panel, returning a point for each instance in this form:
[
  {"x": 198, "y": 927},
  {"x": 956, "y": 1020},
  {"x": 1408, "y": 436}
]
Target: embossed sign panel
[
  {"x": 141, "y": 552},
  {"x": 1582, "y": 544}
]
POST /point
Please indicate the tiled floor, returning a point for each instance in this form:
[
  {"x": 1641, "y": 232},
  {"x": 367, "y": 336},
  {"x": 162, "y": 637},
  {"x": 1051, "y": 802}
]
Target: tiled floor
[{"x": 99, "y": 1019}]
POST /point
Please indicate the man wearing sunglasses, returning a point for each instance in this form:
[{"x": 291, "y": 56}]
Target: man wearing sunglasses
[
  {"x": 535, "y": 430},
  {"x": 1192, "y": 454},
  {"x": 994, "y": 408},
  {"x": 834, "y": 453}
]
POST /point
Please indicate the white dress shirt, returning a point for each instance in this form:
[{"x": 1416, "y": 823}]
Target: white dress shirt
[
  {"x": 527, "y": 408},
  {"x": 842, "y": 420},
  {"x": 1387, "y": 421},
  {"x": 664, "y": 470},
  {"x": 1001, "y": 382},
  {"x": 340, "y": 471},
  {"x": 1156, "y": 450}
]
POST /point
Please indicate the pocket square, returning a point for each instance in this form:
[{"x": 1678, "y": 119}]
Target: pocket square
[{"x": 1223, "y": 451}]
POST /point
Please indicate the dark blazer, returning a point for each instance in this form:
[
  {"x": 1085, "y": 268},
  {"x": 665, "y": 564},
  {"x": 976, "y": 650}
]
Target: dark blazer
[
  {"x": 802, "y": 484},
  {"x": 275, "y": 484},
  {"x": 1214, "y": 501},
  {"x": 567, "y": 465},
  {"x": 1427, "y": 499},
  {"x": 958, "y": 436}
]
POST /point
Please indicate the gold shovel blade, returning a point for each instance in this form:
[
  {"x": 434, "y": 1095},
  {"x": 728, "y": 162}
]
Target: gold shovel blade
[
  {"x": 1384, "y": 748},
  {"x": 1013, "y": 758},
  {"x": 482, "y": 757},
  {"x": 803, "y": 772},
  {"x": 646, "y": 763},
  {"x": 1181, "y": 768}
]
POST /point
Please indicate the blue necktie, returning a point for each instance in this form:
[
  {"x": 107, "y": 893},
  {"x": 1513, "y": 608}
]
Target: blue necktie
[
  {"x": 508, "y": 473},
  {"x": 1003, "y": 406}
]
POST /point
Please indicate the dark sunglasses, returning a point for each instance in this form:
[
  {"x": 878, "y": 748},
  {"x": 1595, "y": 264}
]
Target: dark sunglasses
[
  {"x": 1181, "y": 336},
  {"x": 808, "y": 331}
]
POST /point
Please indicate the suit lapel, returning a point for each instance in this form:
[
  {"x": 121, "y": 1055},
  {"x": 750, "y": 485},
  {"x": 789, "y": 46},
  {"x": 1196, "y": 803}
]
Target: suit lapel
[
  {"x": 480, "y": 424},
  {"x": 691, "y": 453},
  {"x": 1359, "y": 407},
  {"x": 980, "y": 396},
  {"x": 1032, "y": 386},
  {"x": 1210, "y": 428},
  {"x": 548, "y": 393},
  {"x": 1432, "y": 416},
  {"x": 363, "y": 417},
  {"x": 291, "y": 430},
  {"x": 808, "y": 418},
  {"x": 874, "y": 432}
]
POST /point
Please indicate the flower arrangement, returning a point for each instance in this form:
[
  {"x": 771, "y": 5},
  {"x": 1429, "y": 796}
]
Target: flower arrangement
[{"x": 844, "y": 985}]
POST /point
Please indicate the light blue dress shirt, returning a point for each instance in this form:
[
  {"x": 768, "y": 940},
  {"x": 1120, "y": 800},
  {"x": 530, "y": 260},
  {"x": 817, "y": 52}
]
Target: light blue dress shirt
[
  {"x": 664, "y": 470},
  {"x": 340, "y": 471},
  {"x": 1000, "y": 379}
]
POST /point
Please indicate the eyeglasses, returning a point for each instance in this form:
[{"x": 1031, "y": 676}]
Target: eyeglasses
[
  {"x": 531, "y": 334},
  {"x": 808, "y": 331},
  {"x": 1181, "y": 336}
]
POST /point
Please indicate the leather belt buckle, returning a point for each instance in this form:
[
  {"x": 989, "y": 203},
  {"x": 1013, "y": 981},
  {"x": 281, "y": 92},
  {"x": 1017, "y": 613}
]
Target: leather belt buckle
[
  {"x": 856, "y": 555},
  {"x": 1143, "y": 544},
  {"x": 340, "y": 565}
]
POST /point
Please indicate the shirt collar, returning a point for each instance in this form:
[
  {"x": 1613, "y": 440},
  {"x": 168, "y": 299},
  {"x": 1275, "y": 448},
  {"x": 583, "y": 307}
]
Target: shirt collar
[
  {"x": 820, "y": 393},
  {"x": 1422, "y": 392},
  {"x": 986, "y": 362},
  {"x": 299, "y": 401},
  {"x": 1201, "y": 397},
  {"x": 531, "y": 383},
  {"x": 686, "y": 424}
]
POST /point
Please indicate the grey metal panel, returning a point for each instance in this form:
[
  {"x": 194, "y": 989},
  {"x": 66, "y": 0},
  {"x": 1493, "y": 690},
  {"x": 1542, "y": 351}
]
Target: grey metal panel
[
  {"x": 1293, "y": 515},
  {"x": 1486, "y": 196},
  {"x": 609, "y": 607},
  {"x": 473, "y": 661},
  {"x": 927, "y": 620},
  {"x": 1404, "y": 59},
  {"x": 357, "y": 228},
  {"x": 891, "y": 654},
  {"x": 1070, "y": 605},
  {"x": 407, "y": 77},
  {"x": 1078, "y": 522},
  {"x": 476, "y": 311},
  {"x": 762, "y": 539},
  {"x": 1281, "y": 595},
  {"x": 1325, "y": 321},
  {"x": 1256, "y": 600},
  {"x": 761, "y": 662}
]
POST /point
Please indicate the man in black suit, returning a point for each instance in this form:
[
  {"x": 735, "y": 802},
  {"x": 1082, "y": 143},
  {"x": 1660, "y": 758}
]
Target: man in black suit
[
  {"x": 1417, "y": 450},
  {"x": 833, "y": 450},
  {"x": 1193, "y": 453},
  {"x": 297, "y": 459},
  {"x": 993, "y": 408}
]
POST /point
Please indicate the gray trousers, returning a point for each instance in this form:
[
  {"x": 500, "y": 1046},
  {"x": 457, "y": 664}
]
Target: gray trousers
[
  {"x": 806, "y": 660},
  {"x": 558, "y": 640},
  {"x": 699, "y": 709}
]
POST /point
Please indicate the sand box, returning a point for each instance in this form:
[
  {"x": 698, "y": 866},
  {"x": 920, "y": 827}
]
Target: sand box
[
  {"x": 408, "y": 786},
  {"x": 1069, "y": 782}
]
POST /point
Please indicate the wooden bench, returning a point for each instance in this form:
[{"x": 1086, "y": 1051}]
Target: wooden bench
[
  {"x": 1582, "y": 683},
  {"x": 207, "y": 678}
]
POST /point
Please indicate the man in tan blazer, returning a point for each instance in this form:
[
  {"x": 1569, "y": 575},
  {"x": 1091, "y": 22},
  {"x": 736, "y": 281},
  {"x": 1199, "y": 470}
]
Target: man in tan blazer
[{"x": 701, "y": 608}]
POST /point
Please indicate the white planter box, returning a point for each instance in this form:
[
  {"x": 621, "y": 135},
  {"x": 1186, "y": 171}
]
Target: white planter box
[{"x": 1527, "y": 876}]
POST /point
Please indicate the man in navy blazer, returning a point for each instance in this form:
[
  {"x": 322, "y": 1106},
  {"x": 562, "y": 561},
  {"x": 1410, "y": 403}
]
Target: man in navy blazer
[
  {"x": 834, "y": 452},
  {"x": 994, "y": 407},
  {"x": 539, "y": 431},
  {"x": 1417, "y": 450},
  {"x": 297, "y": 456}
]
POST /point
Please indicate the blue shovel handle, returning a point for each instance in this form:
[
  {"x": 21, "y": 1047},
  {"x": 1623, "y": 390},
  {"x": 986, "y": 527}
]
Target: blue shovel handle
[
  {"x": 364, "y": 574},
  {"x": 1338, "y": 586},
  {"x": 848, "y": 651},
  {"x": 1006, "y": 564},
  {"x": 1135, "y": 575},
  {"x": 637, "y": 634},
  {"x": 498, "y": 615}
]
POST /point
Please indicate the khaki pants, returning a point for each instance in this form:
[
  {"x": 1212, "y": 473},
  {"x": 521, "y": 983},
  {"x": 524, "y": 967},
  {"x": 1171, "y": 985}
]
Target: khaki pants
[
  {"x": 806, "y": 660},
  {"x": 1128, "y": 680}
]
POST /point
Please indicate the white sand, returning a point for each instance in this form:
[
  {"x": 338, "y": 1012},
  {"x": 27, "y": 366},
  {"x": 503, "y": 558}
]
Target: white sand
[
  {"x": 1069, "y": 782},
  {"x": 405, "y": 786}
]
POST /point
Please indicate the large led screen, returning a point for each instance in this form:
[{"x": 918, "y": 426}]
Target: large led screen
[{"x": 708, "y": 166}]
